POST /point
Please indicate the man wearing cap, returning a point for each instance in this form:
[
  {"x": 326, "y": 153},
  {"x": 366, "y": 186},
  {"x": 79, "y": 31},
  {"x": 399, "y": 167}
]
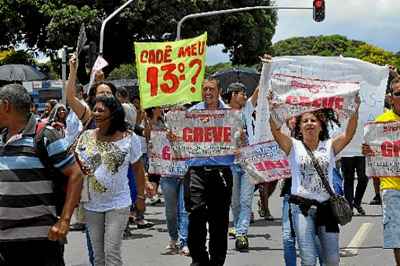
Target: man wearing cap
[{"x": 243, "y": 189}]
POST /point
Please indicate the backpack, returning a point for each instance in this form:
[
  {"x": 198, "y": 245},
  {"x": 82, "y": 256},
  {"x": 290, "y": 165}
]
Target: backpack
[{"x": 60, "y": 180}]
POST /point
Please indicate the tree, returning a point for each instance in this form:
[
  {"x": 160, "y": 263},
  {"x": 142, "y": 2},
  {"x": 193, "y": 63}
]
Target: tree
[
  {"x": 124, "y": 71},
  {"x": 17, "y": 57},
  {"x": 46, "y": 25},
  {"x": 335, "y": 45}
]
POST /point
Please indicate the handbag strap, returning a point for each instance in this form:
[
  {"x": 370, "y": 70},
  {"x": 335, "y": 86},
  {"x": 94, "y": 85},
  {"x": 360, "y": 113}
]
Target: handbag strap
[{"x": 320, "y": 171}]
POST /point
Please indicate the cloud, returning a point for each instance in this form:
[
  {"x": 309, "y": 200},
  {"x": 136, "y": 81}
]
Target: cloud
[{"x": 373, "y": 21}]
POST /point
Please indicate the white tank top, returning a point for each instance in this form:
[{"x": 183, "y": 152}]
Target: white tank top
[{"x": 305, "y": 179}]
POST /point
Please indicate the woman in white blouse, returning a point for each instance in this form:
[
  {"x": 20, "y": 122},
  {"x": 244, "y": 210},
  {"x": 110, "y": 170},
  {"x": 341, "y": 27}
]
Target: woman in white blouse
[
  {"x": 106, "y": 153},
  {"x": 311, "y": 214}
]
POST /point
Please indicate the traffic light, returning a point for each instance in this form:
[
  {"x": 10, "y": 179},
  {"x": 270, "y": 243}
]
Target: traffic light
[{"x": 319, "y": 10}]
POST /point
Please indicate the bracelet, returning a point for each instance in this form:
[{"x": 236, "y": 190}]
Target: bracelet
[{"x": 140, "y": 197}]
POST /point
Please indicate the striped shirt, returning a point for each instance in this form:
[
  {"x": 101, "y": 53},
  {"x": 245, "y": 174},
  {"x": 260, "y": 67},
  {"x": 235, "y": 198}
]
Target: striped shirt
[{"x": 27, "y": 198}]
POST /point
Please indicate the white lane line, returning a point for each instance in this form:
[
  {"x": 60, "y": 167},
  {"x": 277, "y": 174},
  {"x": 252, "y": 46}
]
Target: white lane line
[{"x": 358, "y": 239}]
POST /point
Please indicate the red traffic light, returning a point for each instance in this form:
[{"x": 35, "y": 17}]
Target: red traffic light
[{"x": 319, "y": 10}]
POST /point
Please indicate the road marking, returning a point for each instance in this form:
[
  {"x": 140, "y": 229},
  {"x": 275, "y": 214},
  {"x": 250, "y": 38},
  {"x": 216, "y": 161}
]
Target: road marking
[{"x": 358, "y": 239}]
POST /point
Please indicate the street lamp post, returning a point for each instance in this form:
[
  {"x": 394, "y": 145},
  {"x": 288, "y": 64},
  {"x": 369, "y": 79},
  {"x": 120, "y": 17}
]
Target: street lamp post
[
  {"x": 227, "y": 11},
  {"x": 103, "y": 25}
]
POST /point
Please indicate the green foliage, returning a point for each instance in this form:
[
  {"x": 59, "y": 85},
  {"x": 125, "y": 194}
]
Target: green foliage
[
  {"x": 49, "y": 24},
  {"x": 335, "y": 45},
  {"x": 124, "y": 71},
  {"x": 216, "y": 68},
  {"x": 18, "y": 57}
]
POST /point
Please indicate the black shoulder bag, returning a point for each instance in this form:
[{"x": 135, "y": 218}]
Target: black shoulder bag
[{"x": 340, "y": 207}]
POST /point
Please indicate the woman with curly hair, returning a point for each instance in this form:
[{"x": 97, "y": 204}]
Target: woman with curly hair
[{"x": 311, "y": 214}]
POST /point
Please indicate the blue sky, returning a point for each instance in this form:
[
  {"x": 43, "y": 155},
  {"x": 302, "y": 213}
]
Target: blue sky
[{"x": 374, "y": 21}]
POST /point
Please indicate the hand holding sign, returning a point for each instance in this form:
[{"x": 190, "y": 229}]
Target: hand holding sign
[{"x": 170, "y": 72}]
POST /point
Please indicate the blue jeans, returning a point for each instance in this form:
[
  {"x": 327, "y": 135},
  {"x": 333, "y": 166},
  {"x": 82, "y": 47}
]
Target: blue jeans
[
  {"x": 175, "y": 212},
  {"x": 242, "y": 197},
  {"x": 289, "y": 241},
  {"x": 307, "y": 239}
]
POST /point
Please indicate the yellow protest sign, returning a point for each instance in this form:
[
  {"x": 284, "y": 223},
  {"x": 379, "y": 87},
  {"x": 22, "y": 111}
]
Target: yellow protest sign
[{"x": 170, "y": 72}]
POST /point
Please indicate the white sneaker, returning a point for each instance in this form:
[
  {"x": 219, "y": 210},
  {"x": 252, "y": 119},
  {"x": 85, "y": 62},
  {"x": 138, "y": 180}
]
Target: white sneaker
[{"x": 184, "y": 251}]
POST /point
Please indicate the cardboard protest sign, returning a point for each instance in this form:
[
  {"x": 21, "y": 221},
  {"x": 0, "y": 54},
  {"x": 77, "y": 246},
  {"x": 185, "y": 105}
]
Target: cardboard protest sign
[
  {"x": 384, "y": 140},
  {"x": 372, "y": 79},
  {"x": 170, "y": 72},
  {"x": 82, "y": 39},
  {"x": 296, "y": 95},
  {"x": 162, "y": 160},
  {"x": 264, "y": 162},
  {"x": 205, "y": 133},
  {"x": 99, "y": 64}
]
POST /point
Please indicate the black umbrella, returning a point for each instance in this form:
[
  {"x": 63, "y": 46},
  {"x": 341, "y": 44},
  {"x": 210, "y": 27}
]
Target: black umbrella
[
  {"x": 18, "y": 72},
  {"x": 248, "y": 76},
  {"x": 131, "y": 84}
]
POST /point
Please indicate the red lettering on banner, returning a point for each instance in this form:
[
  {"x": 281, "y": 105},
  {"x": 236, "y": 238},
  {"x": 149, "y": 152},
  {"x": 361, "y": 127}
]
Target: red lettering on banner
[
  {"x": 269, "y": 165},
  {"x": 166, "y": 153},
  {"x": 259, "y": 166},
  {"x": 198, "y": 134},
  {"x": 335, "y": 102},
  {"x": 217, "y": 134},
  {"x": 207, "y": 134},
  {"x": 227, "y": 134},
  {"x": 310, "y": 87},
  {"x": 192, "y": 50},
  {"x": 156, "y": 56},
  {"x": 390, "y": 149},
  {"x": 187, "y": 137}
]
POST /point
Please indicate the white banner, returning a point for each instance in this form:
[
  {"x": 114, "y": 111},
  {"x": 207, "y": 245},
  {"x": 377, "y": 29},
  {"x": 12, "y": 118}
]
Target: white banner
[
  {"x": 384, "y": 140},
  {"x": 264, "y": 162},
  {"x": 293, "y": 96},
  {"x": 372, "y": 79},
  {"x": 205, "y": 133},
  {"x": 161, "y": 160}
]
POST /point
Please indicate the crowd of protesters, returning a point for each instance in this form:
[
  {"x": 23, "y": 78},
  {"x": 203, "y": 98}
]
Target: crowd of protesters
[{"x": 97, "y": 146}]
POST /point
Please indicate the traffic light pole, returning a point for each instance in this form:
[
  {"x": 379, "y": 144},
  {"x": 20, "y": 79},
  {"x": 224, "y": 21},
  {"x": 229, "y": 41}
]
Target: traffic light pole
[
  {"x": 103, "y": 25},
  {"x": 227, "y": 11},
  {"x": 64, "y": 72}
]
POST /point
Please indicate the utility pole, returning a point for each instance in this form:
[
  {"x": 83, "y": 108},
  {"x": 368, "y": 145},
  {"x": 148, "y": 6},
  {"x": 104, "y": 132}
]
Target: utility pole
[
  {"x": 64, "y": 73},
  {"x": 103, "y": 25}
]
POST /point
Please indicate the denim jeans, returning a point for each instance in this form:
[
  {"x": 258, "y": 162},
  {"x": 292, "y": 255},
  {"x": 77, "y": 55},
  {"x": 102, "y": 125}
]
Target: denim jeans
[
  {"x": 242, "y": 197},
  {"x": 307, "y": 239},
  {"x": 105, "y": 232},
  {"x": 176, "y": 215},
  {"x": 289, "y": 241}
]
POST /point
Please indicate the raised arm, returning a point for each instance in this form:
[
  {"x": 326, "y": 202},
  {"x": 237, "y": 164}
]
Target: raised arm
[
  {"x": 283, "y": 140},
  {"x": 341, "y": 141},
  {"x": 81, "y": 110},
  {"x": 254, "y": 97}
]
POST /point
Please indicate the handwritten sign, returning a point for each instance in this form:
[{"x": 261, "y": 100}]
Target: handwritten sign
[
  {"x": 161, "y": 160},
  {"x": 82, "y": 39},
  {"x": 170, "y": 72},
  {"x": 264, "y": 162},
  {"x": 295, "y": 95},
  {"x": 372, "y": 79},
  {"x": 384, "y": 140},
  {"x": 205, "y": 133}
]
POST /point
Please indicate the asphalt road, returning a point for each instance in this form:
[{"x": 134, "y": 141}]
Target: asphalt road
[{"x": 360, "y": 241}]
